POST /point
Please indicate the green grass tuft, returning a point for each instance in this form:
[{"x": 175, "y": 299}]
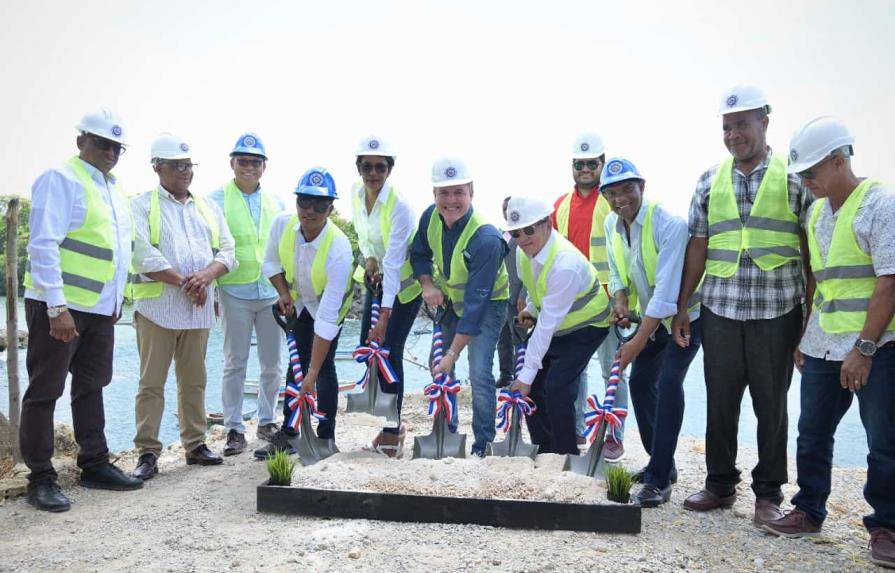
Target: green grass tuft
[
  {"x": 619, "y": 481},
  {"x": 280, "y": 467}
]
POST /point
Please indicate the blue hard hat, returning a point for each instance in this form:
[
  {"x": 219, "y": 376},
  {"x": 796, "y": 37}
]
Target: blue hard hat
[
  {"x": 618, "y": 169},
  {"x": 317, "y": 181},
  {"x": 249, "y": 144}
]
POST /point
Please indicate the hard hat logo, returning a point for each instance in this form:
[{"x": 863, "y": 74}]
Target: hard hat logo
[
  {"x": 450, "y": 172},
  {"x": 585, "y": 146},
  {"x": 794, "y": 155},
  {"x": 249, "y": 141},
  {"x": 373, "y": 144},
  {"x": 615, "y": 167},
  {"x": 116, "y": 130},
  {"x": 514, "y": 216},
  {"x": 732, "y": 101},
  {"x": 184, "y": 147},
  {"x": 316, "y": 179}
]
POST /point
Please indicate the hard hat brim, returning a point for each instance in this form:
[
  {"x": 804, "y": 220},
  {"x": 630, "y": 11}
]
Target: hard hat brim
[
  {"x": 374, "y": 153},
  {"x": 730, "y": 110},
  {"x": 452, "y": 182},
  {"x": 315, "y": 192},
  {"x": 82, "y": 129},
  {"x": 247, "y": 151},
  {"x": 525, "y": 223},
  {"x": 588, "y": 154}
]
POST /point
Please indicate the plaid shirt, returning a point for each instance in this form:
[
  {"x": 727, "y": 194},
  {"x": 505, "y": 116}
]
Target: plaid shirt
[{"x": 751, "y": 293}]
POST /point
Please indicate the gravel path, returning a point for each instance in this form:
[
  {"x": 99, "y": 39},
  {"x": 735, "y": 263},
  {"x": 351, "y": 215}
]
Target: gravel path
[{"x": 204, "y": 519}]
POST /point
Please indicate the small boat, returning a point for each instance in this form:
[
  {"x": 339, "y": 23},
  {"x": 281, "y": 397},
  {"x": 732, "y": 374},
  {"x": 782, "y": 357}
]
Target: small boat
[{"x": 212, "y": 418}]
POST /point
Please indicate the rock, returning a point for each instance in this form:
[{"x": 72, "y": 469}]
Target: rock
[
  {"x": 7, "y": 447},
  {"x": 23, "y": 339},
  {"x": 759, "y": 563},
  {"x": 354, "y": 553},
  {"x": 64, "y": 440}
]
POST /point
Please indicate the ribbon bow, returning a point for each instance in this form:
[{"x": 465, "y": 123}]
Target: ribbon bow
[
  {"x": 598, "y": 412},
  {"x": 294, "y": 396},
  {"x": 508, "y": 400},
  {"x": 442, "y": 394},
  {"x": 379, "y": 355}
]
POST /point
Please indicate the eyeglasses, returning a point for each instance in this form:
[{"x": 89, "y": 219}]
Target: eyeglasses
[
  {"x": 369, "y": 167},
  {"x": 812, "y": 173},
  {"x": 180, "y": 166},
  {"x": 246, "y": 162},
  {"x": 592, "y": 164},
  {"x": 319, "y": 204},
  {"x": 104, "y": 144},
  {"x": 529, "y": 230},
  {"x": 613, "y": 191}
]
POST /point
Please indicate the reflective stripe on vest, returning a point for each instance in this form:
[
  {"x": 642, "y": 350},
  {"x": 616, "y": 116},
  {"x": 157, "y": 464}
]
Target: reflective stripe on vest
[
  {"x": 846, "y": 279},
  {"x": 591, "y": 305},
  {"x": 455, "y": 286},
  {"x": 250, "y": 240},
  {"x": 771, "y": 231},
  {"x": 409, "y": 288},
  {"x": 86, "y": 255},
  {"x": 141, "y": 287},
  {"x": 598, "y": 256},
  {"x": 286, "y": 249}
]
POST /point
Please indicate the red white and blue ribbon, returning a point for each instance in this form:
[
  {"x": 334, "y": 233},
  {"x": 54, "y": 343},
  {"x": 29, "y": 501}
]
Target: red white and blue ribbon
[
  {"x": 520, "y": 357},
  {"x": 443, "y": 390},
  {"x": 378, "y": 354},
  {"x": 506, "y": 401},
  {"x": 294, "y": 396},
  {"x": 597, "y": 412}
]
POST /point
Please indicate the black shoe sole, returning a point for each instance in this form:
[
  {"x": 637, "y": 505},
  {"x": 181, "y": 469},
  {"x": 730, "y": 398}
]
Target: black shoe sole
[
  {"x": 193, "y": 461},
  {"x": 111, "y": 487},
  {"x": 51, "y": 509},
  {"x": 148, "y": 477},
  {"x": 233, "y": 452}
]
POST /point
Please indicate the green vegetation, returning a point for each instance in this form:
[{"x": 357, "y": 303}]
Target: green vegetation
[
  {"x": 618, "y": 483},
  {"x": 22, "y": 240},
  {"x": 347, "y": 228},
  {"x": 280, "y": 467}
]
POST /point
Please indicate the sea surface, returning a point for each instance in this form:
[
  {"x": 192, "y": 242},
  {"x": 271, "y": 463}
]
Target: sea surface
[{"x": 850, "y": 449}]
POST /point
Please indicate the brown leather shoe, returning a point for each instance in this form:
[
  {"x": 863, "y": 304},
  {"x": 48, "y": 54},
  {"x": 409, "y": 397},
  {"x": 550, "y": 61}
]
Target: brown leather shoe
[
  {"x": 766, "y": 511},
  {"x": 236, "y": 443},
  {"x": 203, "y": 456},
  {"x": 705, "y": 500},
  {"x": 882, "y": 547},
  {"x": 795, "y": 523}
]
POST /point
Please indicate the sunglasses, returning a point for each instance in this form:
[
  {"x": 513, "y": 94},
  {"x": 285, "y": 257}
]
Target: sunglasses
[
  {"x": 319, "y": 204},
  {"x": 246, "y": 162},
  {"x": 591, "y": 164},
  {"x": 369, "y": 167},
  {"x": 529, "y": 230},
  {"x": 812, "y": 173},
  {"x": 104, "y": 144},
  {"x": 179, "y": 166}
]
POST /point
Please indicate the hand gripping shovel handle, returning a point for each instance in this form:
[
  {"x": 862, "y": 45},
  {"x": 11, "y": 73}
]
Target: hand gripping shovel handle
[{"x": 287, "y": 323}]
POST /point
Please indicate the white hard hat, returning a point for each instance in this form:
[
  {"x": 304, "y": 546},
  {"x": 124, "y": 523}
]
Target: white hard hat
[
  {"x": 169, "y": 146},
  {"x": 449, "y": 171},
  {"x": 588, "y": 146},
  {"x": 525, "y": 211},
  {"x": 374, "y": 145},
  {"x": 815, "y": 140},
  {"x": 743, "y": 98},
  {"x": 104, "y": 123}
]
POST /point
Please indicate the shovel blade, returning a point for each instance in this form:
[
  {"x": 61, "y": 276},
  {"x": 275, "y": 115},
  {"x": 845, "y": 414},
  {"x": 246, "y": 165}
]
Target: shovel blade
[
  {"x": 441, "y": 443},
  {"x": 309, "y": 447},
  {"x": 374, "y": 401},
  {"x": 514, "y": 445},
  {"x": 592, "y": 463}
]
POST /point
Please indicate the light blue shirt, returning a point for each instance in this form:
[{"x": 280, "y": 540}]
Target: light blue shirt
[
  {"x": 670, "y": 235},
  {"x": 260, "y": 289}
]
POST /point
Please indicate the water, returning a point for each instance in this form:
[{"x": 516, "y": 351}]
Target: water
[{"x": 851, "y": 445}]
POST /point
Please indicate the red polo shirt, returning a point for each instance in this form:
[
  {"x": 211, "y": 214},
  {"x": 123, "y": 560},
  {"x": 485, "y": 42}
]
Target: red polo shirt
[{"x": 581, "y": 215}]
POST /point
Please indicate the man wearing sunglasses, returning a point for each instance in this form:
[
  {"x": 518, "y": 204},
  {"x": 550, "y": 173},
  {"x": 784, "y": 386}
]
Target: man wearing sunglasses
[
  {"x": 572, "y": 310},
  {"x": 78, "y": 252},
  {"x": 848, "y": 347},
  {"x": 182, "y": 246},
  {"x": 246, "y": 294},
  {"x": 746, "y": 237},
  {"x": 579, "y": 216},
  {"x": 308, "y": 260},
  {"x": 468, "y": 255}
]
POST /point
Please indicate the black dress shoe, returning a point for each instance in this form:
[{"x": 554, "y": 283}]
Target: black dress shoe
[
  {"x": 279, "y": 442},
  {"x": 108, "y": 476},
  {"x": 638, "y": 475},
  {"x": 203, "y": 456},
  {"x": 46, "y": 496},
  {"x": 147, "y": 467},
  {"x": 236, "y": 443},
  {"x": 651, "y": 496}
]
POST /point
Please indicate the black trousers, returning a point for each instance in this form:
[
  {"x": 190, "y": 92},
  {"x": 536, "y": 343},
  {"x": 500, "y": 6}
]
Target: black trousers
[
  {"x": 756, "y": 354},
  {"x": 327, "y": 381},
  {"x": 89, "y": 359}
]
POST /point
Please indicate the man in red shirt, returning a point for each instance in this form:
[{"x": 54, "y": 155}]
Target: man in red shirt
[{"x": 578, "y": 216}]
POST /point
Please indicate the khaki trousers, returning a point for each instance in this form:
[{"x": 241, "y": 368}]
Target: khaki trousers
[{"x": 157, "y": 346}]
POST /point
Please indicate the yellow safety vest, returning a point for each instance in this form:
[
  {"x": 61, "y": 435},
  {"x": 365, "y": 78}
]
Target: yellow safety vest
[
  {"x": 455, "y": 286},
  {"x": 846, "y": 279},
  {"x": 598, "y": 256},
  {"x": 591, "y": 306},
  {"x": 286, "y": 250},
  {"x": 771, "y": 232},
  {"x": 250, "y": 240},
  {"x": 141, "y": 287},
  {"x": 87, "y": 254},
  {"x": 409, "y": 288}
]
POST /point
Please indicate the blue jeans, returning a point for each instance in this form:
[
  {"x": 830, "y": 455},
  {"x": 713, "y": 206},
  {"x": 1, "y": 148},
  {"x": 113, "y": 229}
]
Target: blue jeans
[
  {"x": 657, "y": 391},
  {"x": 481, "y": 376},
  {"x": 399, "y": 324},
  {"x": 824, "y": 402}
]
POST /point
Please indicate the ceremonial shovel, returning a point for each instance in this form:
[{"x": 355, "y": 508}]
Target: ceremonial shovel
[{"x": 513, "y": 445}]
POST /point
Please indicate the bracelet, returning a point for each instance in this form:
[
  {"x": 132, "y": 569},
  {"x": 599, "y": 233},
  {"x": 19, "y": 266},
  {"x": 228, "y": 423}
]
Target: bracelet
[{"x": 451, "y": 353}]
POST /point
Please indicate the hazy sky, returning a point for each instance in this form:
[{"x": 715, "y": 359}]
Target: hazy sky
[{"x": 505, "y": 85}]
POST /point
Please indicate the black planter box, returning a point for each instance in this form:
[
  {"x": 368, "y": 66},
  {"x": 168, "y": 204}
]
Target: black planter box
[{"x": 510, "y": 513}]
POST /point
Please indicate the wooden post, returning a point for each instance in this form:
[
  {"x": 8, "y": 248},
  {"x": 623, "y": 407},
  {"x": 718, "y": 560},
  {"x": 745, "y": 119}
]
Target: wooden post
[{"x": 12, "y": 319}]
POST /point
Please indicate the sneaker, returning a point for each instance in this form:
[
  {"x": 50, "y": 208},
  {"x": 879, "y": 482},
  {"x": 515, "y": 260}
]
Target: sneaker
[
  {"x": 236, "y": 443},
  {"x": 795, "y": 523},
  {"x": 107, "y": 476},
  {"x": 613, "y": 452},
  {"x": 266, "y": 432},
  {"x": 651, "y": 496},
  {"x": 279, "y": 442},
  {"x": 47, "y": 496},
  {"x": 882, "y": 547}
]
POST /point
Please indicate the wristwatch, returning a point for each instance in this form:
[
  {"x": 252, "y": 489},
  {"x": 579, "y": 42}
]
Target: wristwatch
[
  {"x": 55, "y": 311},
  {"x": 866, "y": 347}
]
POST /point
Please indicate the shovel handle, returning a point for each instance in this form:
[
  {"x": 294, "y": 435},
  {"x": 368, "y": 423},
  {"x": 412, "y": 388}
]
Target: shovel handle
[
  {"x": 287, "y": 323},
  {"x": 376, "y": 287},
  {"x": 520, "y": 333},
  {"x": 436, "y": 314},
  {"x": 623, "y": 338}
]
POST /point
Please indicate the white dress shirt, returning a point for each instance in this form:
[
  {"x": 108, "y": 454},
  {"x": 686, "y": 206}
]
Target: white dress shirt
[
  {"x": 59, "y": 206},
  {"x": 372, "y": 243},
  {"x": 185, "y": 246},
  {"x": 338, "y": 268},
  {"x": 670, "y": 235},
  {"x": 569, "y": 275}
]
